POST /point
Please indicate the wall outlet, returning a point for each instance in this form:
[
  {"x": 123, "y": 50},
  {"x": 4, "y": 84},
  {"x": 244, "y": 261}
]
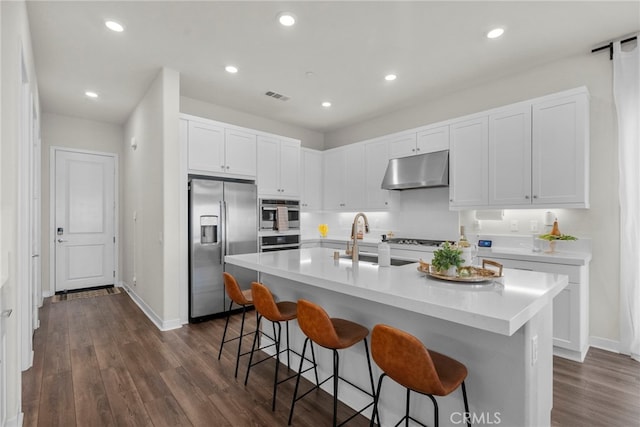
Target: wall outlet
[
  {"x": 533, "y": 226},
  {"x": 135, "y": 281},
  {"x": 534, "y": 350},
  {"x": 514, "y": 225}
]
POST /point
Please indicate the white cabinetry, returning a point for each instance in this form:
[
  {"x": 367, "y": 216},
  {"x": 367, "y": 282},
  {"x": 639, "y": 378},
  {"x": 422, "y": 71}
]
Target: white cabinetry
[
  {"x": 433, "y": 139},
  {"x": 570, "y": 307},
  {"x": 216, "y": 150},
  {"x": 403, "y": 145},
  {"x": 343, "y": 178},
  {"x": 311, "y": 196},
  {"x": 278, "y": 167},
  {"x": 510, "y": 156},
  {"x": 468, "y": 163},
  {"x": 376, "y": 154},
  {"x": 561, "y": 151}
]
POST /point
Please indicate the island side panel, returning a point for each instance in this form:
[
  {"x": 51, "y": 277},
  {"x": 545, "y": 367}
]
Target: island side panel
[{"x": 504, "y": 386}]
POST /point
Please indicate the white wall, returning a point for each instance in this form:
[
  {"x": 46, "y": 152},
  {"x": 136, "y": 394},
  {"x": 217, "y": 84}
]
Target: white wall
[
  {"x": 71, "y": 132},
  {"x": 150, "y": 192},
  {"x": 15, "y": 38},
  {"x": 309, "y": 138},
  {"x": 601, "y": 222}
]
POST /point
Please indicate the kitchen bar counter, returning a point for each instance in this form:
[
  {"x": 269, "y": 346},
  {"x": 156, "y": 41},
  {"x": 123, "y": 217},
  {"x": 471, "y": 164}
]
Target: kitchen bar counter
[
  {"x": 502, "y": 332},
  {"x": 501, "y": 307}
]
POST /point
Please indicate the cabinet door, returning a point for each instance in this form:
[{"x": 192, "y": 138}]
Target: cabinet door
[
  {"x": 205, "y": 147},
  {"x": 561, "y": 152},
  {"x": 240, "y": 152},
  {"x": 334, "y": 167},
  {"x": 290, "y": 168},
  {"x": 311, "y": 197},
  {"x": 376, "y": 160},
  {"x": 403, "y": 146},
  {"x": 431, "y": 140},
  {"x": 354, "y": 177},
  {"x": 268, "y": 177},
  {"x": 468, "y": 161},
  {"x": 510, "y": 157}
]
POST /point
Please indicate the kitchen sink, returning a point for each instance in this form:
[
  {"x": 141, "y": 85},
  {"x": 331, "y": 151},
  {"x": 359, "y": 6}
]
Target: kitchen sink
[{"x": 373, "y": 259}]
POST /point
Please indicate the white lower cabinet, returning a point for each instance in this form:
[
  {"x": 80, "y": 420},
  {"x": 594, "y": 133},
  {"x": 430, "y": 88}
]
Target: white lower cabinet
[{"x": 570, "y": 306}]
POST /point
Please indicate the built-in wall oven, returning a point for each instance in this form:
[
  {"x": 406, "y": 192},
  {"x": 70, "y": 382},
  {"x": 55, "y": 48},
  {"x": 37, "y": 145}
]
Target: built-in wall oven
[
  {"x": 279, "y": 242},
  {"x": 270, "y": 209}
]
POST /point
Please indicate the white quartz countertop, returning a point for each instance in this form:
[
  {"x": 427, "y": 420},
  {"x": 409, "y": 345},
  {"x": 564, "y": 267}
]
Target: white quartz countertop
[
  {"x": 522, "y": 254},
  {"x": 501, "y": 306}
]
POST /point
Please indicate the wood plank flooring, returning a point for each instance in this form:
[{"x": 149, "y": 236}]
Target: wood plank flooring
[{"x": 101, "y": 362}]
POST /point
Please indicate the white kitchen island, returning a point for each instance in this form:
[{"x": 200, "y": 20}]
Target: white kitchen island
[{"x": 500, "y": 330}]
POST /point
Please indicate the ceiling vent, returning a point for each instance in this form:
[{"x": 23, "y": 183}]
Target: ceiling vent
[{"x": 277, "y": 95}]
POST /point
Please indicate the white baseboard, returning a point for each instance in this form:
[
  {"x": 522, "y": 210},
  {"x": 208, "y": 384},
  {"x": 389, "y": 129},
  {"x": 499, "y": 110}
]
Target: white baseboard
[
  {"x": 576, "y": 356},
  {"x": 15, "y": 421},
  {"x": 605, "y": 344},
  {"x": 163, "y": 325}
]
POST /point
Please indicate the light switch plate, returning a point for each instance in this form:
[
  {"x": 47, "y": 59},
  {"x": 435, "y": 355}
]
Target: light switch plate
[
  {"x": 514, "y": 225},
  {"x": 533, "y": 226}
]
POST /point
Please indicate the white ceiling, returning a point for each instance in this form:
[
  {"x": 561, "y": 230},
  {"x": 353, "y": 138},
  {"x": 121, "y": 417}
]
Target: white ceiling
[{"x": 435, "y": 48}]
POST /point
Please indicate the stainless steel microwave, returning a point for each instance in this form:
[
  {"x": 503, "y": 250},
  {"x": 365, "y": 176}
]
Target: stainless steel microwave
[{"x": 269, "y": 213}]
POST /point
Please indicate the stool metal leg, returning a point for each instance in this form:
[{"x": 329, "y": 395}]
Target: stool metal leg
[
  {"x": 240, "y": 338},
  {"x": 275, "y": 378},
  {"x": 226, "y": 325},
  {"x": 466, "y": 405},
  {"x": 435, "y": 410},
  {"x": 295, "y": 390},
  {"x": 253, "y": 347},
  {"x": 376, "y": 398},
  {"x": 406, "y": 415},
  {"x": 336, "y": 362}
]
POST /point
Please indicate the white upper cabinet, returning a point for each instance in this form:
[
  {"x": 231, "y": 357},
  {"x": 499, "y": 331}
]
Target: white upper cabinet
[
  {"x": 403, "y": 145},
  {"x": 240, "y": 152},
  {"x": 278, "y": 167},
  {"x": 468, "y": 161},
  {"x": 377, "y": 155},
  {"x": 433, "y": 139},
  {"x": 561, "y": 151},
  {"x": 344, "y": 173},
  {"x": 311, "y": 194},
  {"x": 510, "y": 156},
  {"x": 216, "y": 150},
  {"x": 206, "y": 147}
]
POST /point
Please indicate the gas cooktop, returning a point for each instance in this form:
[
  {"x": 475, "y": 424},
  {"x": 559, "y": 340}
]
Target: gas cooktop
[{"x": 421, "y": 242}]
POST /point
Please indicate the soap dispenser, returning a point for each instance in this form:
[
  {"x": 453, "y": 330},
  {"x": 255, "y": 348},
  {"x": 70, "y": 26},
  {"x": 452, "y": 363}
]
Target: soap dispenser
[{"x": 384, "y": 252}]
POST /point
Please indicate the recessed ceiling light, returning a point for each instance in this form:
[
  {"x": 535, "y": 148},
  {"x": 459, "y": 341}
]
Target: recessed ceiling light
[
  {"x": 286, "y": 19},
  {"x": 90, "y": 94},
  {"x": 495, "y": 33},
  {"x": 231, "y": 69},
  {"x": 114, "y": 26},
  {"x": 326, "y": 104},
  {"x": 390, "y": 77}
]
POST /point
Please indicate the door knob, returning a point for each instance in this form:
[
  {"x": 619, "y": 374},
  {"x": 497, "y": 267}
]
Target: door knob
[
  {"x": 61, "y": 240},
  {"x": 6, "y": 313}
]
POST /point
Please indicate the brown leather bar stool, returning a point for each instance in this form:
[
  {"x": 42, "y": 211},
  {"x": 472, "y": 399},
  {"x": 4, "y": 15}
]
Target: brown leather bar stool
[
  {"x": 403, "y": 358},
  {"x": 275, "y": 312},
  {"x": 243, "y": 299},
  {"x": 333, "y": 334}
]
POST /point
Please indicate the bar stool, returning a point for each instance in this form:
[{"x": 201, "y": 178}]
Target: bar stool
[
  {"x": 275, "y": 312},
  {"x": 404, "y": 359},
  {"x": 333, "y": 334},
  {"x": 243, "y": 299}
]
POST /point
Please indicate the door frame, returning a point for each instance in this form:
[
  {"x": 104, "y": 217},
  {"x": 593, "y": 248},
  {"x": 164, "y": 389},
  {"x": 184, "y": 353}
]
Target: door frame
[{"x": 52, "y": 211}]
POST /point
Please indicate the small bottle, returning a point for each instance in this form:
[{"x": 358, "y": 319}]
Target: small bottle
[
  {"x": 463, "y": 242},
  {"x": 384, "y": 253}
]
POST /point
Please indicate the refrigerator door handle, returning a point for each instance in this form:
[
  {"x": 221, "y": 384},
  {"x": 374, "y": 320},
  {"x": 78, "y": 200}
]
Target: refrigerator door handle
[{"x": 223, "y": 231}]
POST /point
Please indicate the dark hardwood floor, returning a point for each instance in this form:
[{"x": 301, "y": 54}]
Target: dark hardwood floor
[{"x": 100, "y": 362}]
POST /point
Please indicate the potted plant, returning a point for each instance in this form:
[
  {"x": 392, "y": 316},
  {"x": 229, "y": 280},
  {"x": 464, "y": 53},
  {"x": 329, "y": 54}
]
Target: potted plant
[{"x": 447, "y": 259}]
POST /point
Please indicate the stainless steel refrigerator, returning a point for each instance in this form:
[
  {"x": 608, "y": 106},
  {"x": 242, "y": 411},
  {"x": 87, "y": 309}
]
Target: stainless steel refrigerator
[{"x": 223, "y": 219}]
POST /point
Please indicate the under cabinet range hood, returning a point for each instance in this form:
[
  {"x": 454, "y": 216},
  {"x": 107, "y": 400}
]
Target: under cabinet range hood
[{"x": 422, "y": 171}]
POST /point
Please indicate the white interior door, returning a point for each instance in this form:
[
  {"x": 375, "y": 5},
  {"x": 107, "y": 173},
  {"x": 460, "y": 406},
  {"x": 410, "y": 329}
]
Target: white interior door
[{"x": 84, "y": 231}]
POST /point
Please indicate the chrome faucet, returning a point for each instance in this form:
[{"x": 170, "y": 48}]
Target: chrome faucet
[{"x": 353, "y": 251}]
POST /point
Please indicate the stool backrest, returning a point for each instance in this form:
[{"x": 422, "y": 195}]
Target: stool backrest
[
  {"x": 263, "y": 302},
  {"x": 405, "y": 359},
  {"x": 316, "y": 324},
  {"x": 233, "y": 290}
]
